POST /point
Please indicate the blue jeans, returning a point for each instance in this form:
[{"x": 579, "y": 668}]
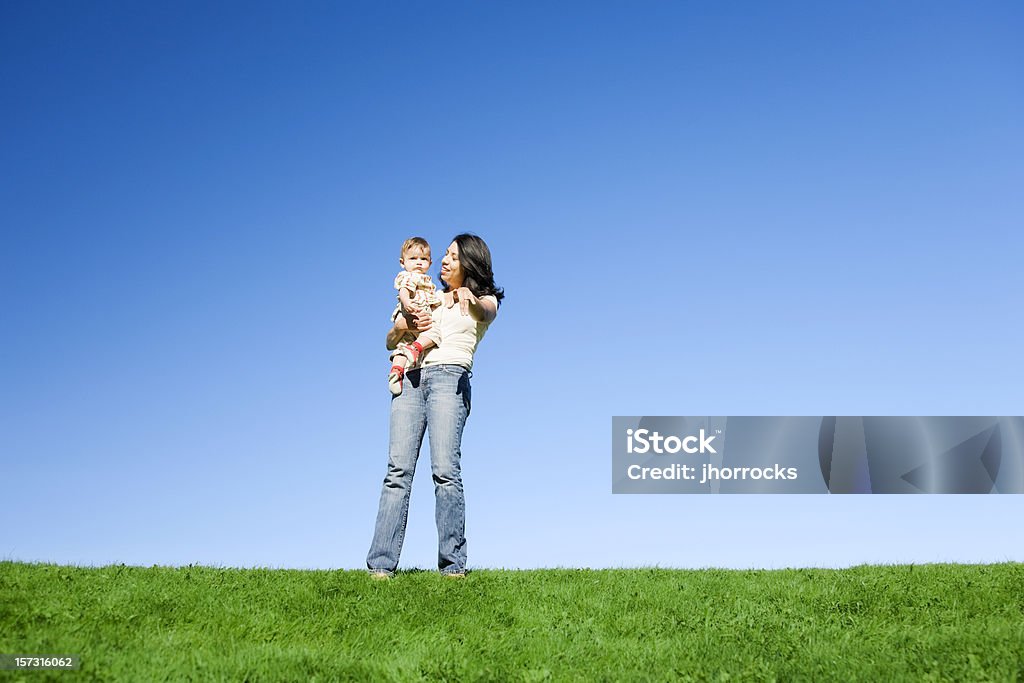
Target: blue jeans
[{"x": 436, "y": 399}]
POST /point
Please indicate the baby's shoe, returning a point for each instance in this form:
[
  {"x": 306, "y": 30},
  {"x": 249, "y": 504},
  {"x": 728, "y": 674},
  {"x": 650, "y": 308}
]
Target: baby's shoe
[{"x": 395, "y": 379}]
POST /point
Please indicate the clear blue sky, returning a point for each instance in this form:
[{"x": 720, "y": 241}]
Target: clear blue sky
[{"x": 695, "y": 209}]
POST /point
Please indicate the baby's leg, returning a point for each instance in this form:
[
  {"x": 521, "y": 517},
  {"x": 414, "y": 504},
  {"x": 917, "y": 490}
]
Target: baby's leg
[
  {"x": 413, "y": 350},
  {"x": 399, "y": 362},
  {"x": 406, "y": 356}
]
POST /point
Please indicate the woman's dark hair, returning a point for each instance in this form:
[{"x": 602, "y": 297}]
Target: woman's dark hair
[{"x": 475, "y": 259}]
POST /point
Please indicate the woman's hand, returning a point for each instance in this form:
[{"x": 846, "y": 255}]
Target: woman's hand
[
  {"x": 421, "y": 319},
  {"x": 471, "y": 305},
  {"x": 465, "y": 299},
  {"x": 407, "y": 322}
]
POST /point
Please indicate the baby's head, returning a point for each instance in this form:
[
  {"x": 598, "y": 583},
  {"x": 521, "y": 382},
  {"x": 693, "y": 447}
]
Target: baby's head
[{"x": 415, "y": 257}]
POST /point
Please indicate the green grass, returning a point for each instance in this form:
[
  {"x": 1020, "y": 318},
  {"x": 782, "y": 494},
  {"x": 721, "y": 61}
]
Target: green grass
[{"x": 930, "y": 623}]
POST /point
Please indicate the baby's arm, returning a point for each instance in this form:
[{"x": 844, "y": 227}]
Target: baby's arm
[
  {"x": 405, "y": 298},
  {"x": 405, "y": 283}
]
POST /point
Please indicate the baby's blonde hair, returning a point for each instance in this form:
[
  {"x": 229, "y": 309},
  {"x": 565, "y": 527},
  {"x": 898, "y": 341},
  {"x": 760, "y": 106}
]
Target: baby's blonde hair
[{"x": 414, "y": 242}]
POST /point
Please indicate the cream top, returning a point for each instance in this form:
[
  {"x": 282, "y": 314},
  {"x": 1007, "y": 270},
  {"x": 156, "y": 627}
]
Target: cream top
[{"x": 456, "y": 336}]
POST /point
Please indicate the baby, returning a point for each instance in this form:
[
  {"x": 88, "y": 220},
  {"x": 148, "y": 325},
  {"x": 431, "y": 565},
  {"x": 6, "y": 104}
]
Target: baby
[{"x": 415, "y": 293}]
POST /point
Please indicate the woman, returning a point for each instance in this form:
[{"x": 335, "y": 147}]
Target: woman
[{"x": 436, "y": 398}]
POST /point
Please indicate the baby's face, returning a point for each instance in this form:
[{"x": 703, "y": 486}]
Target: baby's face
[{"x": 416, "y": 260}]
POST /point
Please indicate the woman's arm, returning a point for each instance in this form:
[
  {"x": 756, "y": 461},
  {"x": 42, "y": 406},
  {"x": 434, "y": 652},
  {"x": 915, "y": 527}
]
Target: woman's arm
[
  {"x": 482, "y": 310},
  {"x": 420, "y": 322}
]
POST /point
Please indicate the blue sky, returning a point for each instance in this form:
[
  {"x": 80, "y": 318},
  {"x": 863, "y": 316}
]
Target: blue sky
[{"x": 695, "y": 209}]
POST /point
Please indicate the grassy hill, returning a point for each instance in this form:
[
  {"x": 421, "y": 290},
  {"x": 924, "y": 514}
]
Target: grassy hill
[{"x": 932, "y": 622}]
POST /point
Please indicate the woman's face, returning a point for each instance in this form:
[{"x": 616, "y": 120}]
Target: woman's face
[{"x": 451, "y": 269}]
